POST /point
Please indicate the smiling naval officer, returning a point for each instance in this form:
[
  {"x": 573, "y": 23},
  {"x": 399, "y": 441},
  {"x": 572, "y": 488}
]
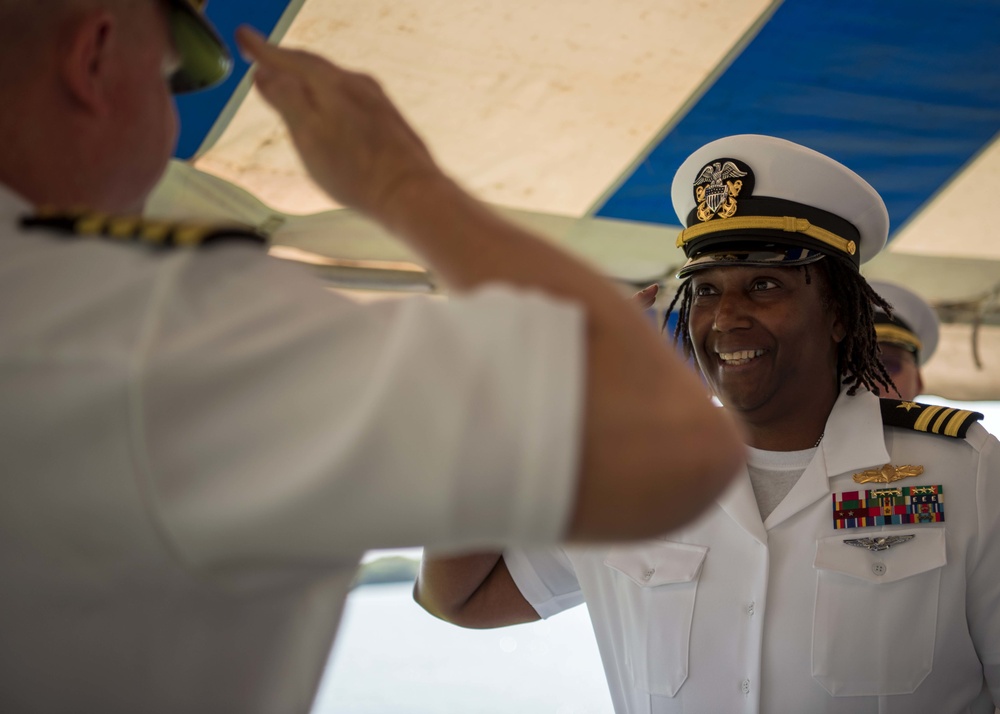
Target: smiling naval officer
[{"x": 828, "y": 578}]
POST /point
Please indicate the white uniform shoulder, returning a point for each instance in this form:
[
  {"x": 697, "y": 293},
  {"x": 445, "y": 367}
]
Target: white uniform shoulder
[{"x": 977, "y": 437}]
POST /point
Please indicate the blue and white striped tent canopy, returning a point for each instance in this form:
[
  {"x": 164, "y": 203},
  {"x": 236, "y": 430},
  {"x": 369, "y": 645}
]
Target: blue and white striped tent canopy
[{"x": 572, "y": 116}]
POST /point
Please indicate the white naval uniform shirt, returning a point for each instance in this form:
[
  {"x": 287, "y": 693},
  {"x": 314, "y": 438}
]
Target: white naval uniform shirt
[
  {"x": 733, "y": 615},
  {"x": 198, "y": 445}
]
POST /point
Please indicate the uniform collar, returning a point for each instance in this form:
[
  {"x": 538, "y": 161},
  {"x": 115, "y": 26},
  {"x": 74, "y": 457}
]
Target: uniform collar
[
  {"x": 853, "y": 437},
  {"x": 852, "y": 441}
]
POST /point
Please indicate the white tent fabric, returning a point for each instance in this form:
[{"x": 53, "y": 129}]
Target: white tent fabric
[
  {"x": 536, "y": 106},
  {"x": 542, "y": 109}
]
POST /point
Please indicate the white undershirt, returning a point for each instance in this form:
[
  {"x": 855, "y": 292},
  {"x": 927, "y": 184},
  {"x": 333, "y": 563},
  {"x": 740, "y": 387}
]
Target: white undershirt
[{"x": 774, "y": 473}]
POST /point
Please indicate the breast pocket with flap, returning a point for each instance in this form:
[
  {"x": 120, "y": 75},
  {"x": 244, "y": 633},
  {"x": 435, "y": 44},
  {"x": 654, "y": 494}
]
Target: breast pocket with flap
[
  {"x": 875, "y": 615},
  {"x": 656, "y": 586}
]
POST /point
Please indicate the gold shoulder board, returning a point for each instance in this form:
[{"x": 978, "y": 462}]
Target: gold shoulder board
[
  {"x": 135, "y": 229},
  {"x": 930, "y": 418}
]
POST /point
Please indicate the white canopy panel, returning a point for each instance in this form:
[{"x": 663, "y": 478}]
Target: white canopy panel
[
  {"x": 543, "y": 109},
  {"x": 538, "y": 106}
]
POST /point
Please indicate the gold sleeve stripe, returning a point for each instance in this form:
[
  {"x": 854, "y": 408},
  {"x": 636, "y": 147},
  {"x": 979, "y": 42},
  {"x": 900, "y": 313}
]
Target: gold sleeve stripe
[
  {"x": 940, "y": 421},
  {"x": 924, "y": 420},
  {"x": 788, "y": 224},
  {"x": 155, "y": 231},
  {"x": 956, "y": 422},
  {"x": 92, "y": 223},
  {"x": 136, "y": 229},
  {"x": 189, "y": 235},
  {"x": 123, "y": 227}
]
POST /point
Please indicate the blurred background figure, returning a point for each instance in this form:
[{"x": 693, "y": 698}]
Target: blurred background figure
[{"x": 906, "y": 340}]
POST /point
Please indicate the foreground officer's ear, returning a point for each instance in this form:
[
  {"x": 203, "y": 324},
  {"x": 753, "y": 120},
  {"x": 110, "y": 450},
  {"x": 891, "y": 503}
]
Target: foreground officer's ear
[{"x": 84, "y": 60}]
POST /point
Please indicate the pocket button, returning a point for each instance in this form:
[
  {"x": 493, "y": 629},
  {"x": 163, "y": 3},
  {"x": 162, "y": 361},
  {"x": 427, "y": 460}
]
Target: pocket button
[
  {"x": 879, "y": 568},
  {"x": 648, "y": 574}
]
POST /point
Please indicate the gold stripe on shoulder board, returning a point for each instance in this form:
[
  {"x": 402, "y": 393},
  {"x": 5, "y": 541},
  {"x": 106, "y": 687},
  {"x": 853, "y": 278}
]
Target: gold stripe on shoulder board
[{"x": 140, "y": 230}]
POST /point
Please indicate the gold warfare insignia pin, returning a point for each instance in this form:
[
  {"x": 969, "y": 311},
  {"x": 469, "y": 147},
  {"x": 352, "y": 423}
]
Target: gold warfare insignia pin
[
  {"x": 887, "y": 474},
  {"x": 715, "y": 193}
]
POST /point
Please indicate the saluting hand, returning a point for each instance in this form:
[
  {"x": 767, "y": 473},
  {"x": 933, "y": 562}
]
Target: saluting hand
[
  {"x": 351, "y": 138},
  {"x": 646, "y": 297}
]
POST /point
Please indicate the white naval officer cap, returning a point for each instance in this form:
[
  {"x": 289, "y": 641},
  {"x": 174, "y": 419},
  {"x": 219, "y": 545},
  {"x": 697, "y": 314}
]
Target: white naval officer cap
[
  {"x": 759, "y": 200},
  {"x": 913, "y": 325}
]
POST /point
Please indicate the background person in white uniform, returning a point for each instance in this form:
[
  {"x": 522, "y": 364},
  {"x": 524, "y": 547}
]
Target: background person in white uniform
[
  {"x": 907, "y": 338},
  {"x": 852, "y": 567},
  {"x": 199, "y": 442}
]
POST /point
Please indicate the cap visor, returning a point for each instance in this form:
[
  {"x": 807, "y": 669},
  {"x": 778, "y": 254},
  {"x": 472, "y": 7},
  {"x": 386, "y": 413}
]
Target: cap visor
[{"x": 744, "y": 259}]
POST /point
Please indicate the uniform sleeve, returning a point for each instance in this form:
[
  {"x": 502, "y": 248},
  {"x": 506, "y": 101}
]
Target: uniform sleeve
[
  {"x": 284, "y": 423},
  {"x": 984, "y": 576},
  {"x": 545, "y": 577}
]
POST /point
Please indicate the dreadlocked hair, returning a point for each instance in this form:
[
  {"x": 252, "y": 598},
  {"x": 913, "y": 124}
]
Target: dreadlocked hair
[{"x": 853, "y": 300}]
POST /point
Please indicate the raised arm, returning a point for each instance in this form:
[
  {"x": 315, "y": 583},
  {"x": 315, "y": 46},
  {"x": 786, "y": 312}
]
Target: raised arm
[
  {"x": 473, "y": 590},
  {"x": 654, "y": 450},
  {"x": 476, "y": 590}
]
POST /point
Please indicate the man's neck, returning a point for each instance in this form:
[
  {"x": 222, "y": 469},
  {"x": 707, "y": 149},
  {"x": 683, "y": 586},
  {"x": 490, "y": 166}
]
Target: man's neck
[{"x": 53, "y": 159}]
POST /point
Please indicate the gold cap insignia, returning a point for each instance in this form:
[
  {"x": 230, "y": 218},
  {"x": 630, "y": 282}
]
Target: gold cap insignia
[{"x": 715, "y": 193}]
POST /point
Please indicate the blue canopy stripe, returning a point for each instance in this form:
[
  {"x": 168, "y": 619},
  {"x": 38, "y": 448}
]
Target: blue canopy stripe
[
  {"x": 905, "y": 93},
  {"x": 199, "y": 111}
]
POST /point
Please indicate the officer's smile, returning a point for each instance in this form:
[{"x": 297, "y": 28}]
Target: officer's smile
[{"x": 738, "y": 358}]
